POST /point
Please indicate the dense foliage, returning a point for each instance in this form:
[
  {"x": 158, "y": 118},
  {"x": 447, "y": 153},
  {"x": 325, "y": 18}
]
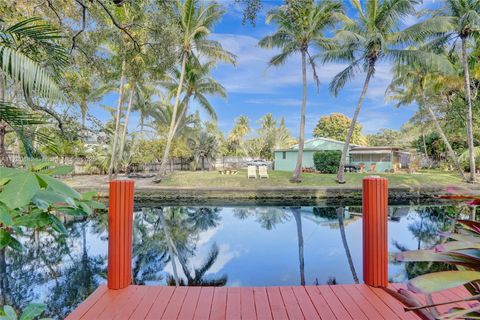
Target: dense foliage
[
  {"x": 335, "y": 126},
  {"x": 327, "y": 161}
]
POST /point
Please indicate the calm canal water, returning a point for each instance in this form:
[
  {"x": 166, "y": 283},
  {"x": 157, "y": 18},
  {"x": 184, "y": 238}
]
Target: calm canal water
[{"x": 233, "y": 246}]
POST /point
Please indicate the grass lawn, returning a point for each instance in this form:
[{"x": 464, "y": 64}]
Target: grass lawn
[{"x": 281, "y": 179}]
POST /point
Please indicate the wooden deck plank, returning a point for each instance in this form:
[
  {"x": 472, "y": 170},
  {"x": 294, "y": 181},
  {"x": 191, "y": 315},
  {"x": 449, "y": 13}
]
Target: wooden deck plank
[
  {"x": 291, "y": 303},
  {"x": 234, "y": 307},
  {"x": 395, "y": 305},
  {"x": 375, "y": 301},
  {"x": 247, "y": 304},
  {"x": 88, "y": 303},
  {"x": 335, "y": 304},
  {"x": 262, "y": 305},
  {"x": 190, "y": 303},
  {"x": 107, "y": 299},
  {"x": 145, "y": 305},
  {"x": 175, "y": 304},
  {"x": 366, "y": 305},
  {"x": 219, "y": 304},
  {"x": 160, "y": 303},
  {"x": 306, "y": 305},
  {"x": 126, "y": 311},
  {"x": 204, "y": 304},
  {"x": 348, "y": 302},
  {"x": 111, "y": 311},
  {"x": 276, "y": 303},
  {"x": 321, "y": 305}
]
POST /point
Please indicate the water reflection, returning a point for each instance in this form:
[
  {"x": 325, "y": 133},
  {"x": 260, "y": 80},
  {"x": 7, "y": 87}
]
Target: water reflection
[{"x": 215, "y": 246}]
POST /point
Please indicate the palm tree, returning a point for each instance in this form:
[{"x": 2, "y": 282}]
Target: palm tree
[
  {"x": 237, "y": 136},
  {"x": 23, "y": 60},
  {"x": 415, "y": 82},
  {"x": 195, "y": 23},
  {"x": 301, "y": 24},
  {"x": 460, "y": 19},
  {"x": 205, "y": 147},
  {"x": 197, "y": 83},
  {"x": 373, "y": 36}
]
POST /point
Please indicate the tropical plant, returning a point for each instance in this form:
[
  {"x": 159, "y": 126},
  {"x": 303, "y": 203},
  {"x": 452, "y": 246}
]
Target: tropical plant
[
  {"x": 33, "y": 198},
  {"x": 273, "y": 136},
  {"x": 205, "y": 149},
  {"x": 32, "y": 59},
  {"x": 459, "y": 19},
  {"x": 236, "y": 138},
  {"x": 460, "y": 250},
  {"x": 372, "y": 37},
  {"x": 31, "y": 312},
  {"x": 195, "y": 22},
  {"x": 417, "y": 82},
  {"x": 300, "y": 24}
]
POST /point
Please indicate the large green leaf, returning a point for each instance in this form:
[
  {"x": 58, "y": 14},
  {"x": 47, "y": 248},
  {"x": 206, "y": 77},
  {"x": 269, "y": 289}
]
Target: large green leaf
[
  {"x": 10, "y": 313},
  {"x": 20, "y": 190},
  {"x": 5, "y": 216},
  {"x": 438, "y": 281},
  {"x": 32, "y": 311},
  {"x": 58, "y": 186},
  {"x": 53, "y": 198}
]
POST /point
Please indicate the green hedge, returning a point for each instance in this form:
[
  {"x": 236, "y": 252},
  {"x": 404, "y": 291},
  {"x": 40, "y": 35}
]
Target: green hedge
[{"x": 327, "y": 161}]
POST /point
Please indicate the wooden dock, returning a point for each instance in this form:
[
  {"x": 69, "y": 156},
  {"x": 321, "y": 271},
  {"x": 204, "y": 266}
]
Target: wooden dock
[{"x": 341, "y": 302}]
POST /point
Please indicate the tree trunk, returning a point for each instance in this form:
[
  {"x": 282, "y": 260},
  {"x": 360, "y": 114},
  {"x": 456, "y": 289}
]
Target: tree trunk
[
  {"x": 4, "y": 287},
  {"x": 301, "y": 140},
  {"x": 183, "y": 112},
  {"x": 163, "y": 165},
  {"x": 298, "y": 220},
  {"x": 4, "y": 159},
  {"x": 83, "y": 111},
  {"x": 340, "y": 212},
  {"x": 124, "y": 133},
  {"x": 117, "y": 123},
  {"x": 468, "y": 96},
  {"x": 343, "y": 159},
  {"x": 451, "y": 153},
  {"x": 422, "y": 132}
]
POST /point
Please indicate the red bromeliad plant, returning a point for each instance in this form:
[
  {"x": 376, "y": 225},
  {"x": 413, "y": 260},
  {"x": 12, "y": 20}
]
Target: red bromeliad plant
[{"x": 461, "y": 249}]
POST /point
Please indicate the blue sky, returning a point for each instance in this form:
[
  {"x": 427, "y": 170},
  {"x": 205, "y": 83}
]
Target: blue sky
[{"x": 255, "y": 89}]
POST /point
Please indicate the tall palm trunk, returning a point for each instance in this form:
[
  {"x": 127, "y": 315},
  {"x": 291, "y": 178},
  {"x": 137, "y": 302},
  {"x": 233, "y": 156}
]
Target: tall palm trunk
[
  {"x": 83, "y": 111},
  {"x": 298, "y": 168},
  {"x": 343, "y": 159},
  {"x": 124, "y": 133},
  {"x": 4, "y": 159},
  {"x": 183, "y": 112},
  {"x": 117, "y": 122},
  {"x": 468, "y": 96},
  {"x": 340, "y": 212},
  {"x": 298, "y": 220},
  {"x": 163, "y": 165},
  {"x": 451, "y": 153}
]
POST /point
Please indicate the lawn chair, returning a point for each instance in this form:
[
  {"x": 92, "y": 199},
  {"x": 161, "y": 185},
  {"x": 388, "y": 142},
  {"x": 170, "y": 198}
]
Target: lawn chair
[
  {"x": 252, "y": 172},
  {"x": 262, "y": 172}
]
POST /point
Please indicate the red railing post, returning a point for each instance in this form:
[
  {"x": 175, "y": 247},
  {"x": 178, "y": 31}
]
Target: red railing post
[
  {"x": 375, "y": 241},
  {"x": 120, "y": 220}
]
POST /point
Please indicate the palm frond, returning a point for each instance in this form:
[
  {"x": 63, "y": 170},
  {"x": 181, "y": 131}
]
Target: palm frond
[
  {"x": 347, "y": 74},
  {"x": 29, "y": 74}
]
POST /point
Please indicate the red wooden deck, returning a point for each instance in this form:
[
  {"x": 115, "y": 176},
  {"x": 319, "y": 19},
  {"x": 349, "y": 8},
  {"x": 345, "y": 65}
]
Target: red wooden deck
[{"x": 263, "y": 303}]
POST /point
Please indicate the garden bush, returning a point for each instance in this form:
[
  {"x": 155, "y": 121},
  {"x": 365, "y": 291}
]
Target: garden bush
[{"x": 327, "y": 161}]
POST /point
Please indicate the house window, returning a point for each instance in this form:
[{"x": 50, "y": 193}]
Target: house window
[{"x": 284, "y": 155}]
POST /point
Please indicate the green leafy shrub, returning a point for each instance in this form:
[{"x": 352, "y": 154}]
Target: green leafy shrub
[
  {"x": 33, "y": 198},
  {"x": 327, "y": 161},
  {"x": 31, "y": 312}
]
